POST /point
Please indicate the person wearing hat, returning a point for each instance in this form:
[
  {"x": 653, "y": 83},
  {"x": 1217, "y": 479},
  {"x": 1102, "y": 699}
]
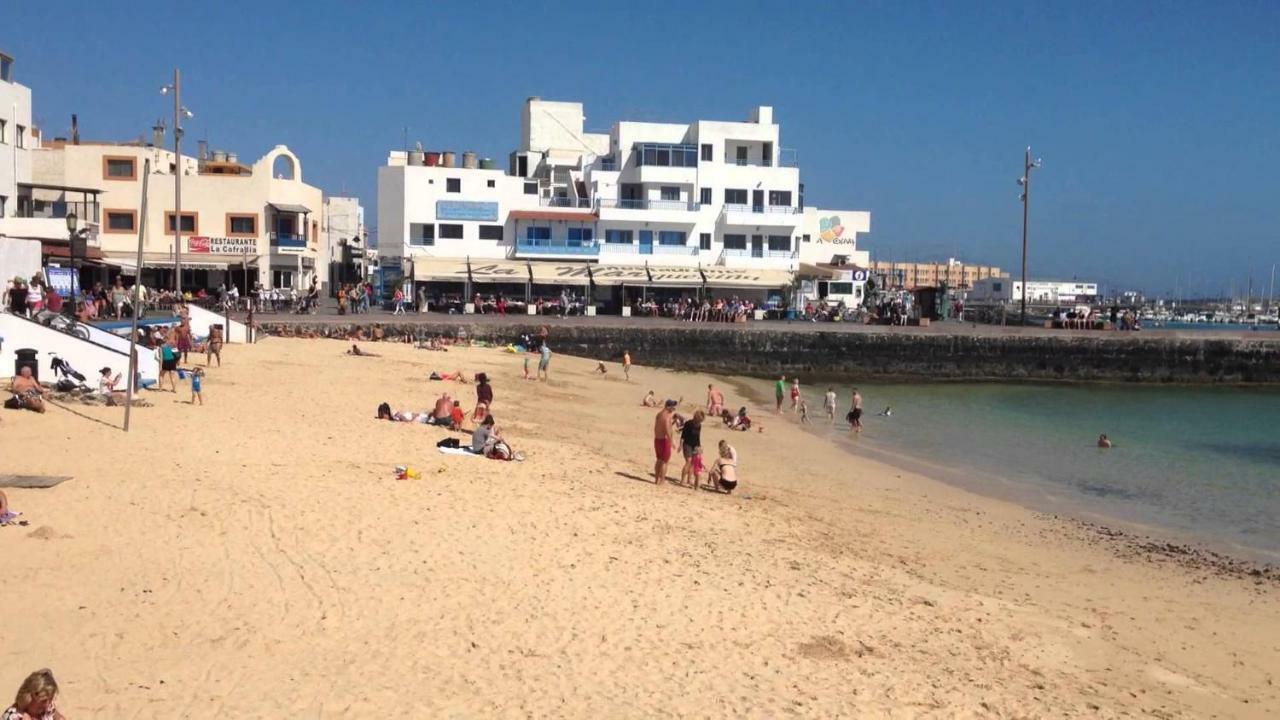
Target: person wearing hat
[{"x": 663, "y": 435}]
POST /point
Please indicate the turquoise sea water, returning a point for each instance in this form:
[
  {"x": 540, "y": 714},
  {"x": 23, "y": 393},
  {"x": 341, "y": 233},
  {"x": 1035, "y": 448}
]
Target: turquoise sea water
[{"x": 1201, "y": 463}]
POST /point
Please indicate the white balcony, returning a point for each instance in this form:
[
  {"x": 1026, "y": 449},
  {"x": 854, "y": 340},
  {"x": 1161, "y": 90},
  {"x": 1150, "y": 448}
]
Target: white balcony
[
  {"x": 779, "y": 216},
  {"x": 661, "y": 211}
]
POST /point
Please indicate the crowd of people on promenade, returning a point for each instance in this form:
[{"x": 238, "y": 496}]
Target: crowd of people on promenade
[{"x": 710, "y": 309}]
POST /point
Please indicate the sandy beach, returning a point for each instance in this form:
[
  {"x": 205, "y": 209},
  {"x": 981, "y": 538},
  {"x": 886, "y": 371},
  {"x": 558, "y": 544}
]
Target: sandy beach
[{"x": 255, "y": 557}]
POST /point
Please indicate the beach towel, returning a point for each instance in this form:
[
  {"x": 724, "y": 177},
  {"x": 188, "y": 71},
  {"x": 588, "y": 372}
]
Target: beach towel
[
  {"x": 457, "y": 451},
  {"x": 8, "y": 516}
]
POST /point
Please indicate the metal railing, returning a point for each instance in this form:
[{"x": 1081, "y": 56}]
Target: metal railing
[
  {"x": 619, "y": 248},
  {"x": 609, "y": 165},
  {"x": 557, "y": 246},
  {"x": 643, "y": 204},
  {"x": 762, "y": 209},
  {"x": 288, "y": 240},
  {"x": 675, "y": 249},
  {"x": 761, "y": 253}
]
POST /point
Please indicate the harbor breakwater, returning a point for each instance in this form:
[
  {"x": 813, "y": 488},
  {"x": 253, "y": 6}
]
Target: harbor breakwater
[{"x": 764, "y": 350}]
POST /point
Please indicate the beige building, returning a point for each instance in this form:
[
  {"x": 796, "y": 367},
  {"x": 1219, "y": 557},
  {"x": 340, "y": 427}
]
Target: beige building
[
  {"x": 952, "y": 273},
  {"x": 240, "y": 224}
]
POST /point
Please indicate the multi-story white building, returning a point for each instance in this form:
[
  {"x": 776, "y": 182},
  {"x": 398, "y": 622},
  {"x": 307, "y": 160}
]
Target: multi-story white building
[
  {"x": 16, "y": 137},
  {"x": 242, "y": 224},
  {"x": 647, "y": 205},
  {"x": 344, "y": 247}
]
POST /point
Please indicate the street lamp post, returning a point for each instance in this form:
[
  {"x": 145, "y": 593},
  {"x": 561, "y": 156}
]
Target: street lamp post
[
  {"x": 1025, "y": 181},
  {"x": 178, "y": 113},
  {"x": 74, "y": 241}
]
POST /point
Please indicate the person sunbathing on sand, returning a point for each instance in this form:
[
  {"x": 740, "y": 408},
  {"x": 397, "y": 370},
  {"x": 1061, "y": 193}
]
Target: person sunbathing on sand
[
  {"x": 356, "y": 351},
  {"x": 649, "y": 400},
  {"x": 28, "y": 393},
  {"x": 457, "y": 375},
  {"x": 386, "y": 413}
]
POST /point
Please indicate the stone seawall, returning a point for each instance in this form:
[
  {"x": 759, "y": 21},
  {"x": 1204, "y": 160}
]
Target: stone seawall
[{"x": 753, "y": 351}]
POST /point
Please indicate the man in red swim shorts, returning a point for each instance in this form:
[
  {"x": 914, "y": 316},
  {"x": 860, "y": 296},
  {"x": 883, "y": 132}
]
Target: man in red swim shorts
[{"x": 662, "y": 441}]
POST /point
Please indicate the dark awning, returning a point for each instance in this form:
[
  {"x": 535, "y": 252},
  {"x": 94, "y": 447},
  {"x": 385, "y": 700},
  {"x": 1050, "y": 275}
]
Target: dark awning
[
  {"x": 285, "y": 207},
  {"x": 65, "y": 188}
]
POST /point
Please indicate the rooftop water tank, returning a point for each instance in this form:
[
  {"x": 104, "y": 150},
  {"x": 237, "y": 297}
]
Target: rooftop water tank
[{"x": 469, "y": 160}]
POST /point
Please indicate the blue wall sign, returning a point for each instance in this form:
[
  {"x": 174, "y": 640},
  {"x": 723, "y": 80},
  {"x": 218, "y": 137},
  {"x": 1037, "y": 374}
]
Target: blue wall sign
[{"x": 466, "y": 210}]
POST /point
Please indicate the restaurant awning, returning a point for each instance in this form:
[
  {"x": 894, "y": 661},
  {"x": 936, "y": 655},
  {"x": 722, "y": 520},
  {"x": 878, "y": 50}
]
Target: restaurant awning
[
  {"x": 129, "y": 261},
  {"x": 822, "y": 272},
  {"x": 568, "y": 215},
  {"x": 620, "y": 275},
  {"x": 722, "y": 277},
  {"x": 289, "y": 208},
  {"x": 560, "y": 273},
  {"x": 439, "y": 269},
  {"x": 499, "y": 271}
]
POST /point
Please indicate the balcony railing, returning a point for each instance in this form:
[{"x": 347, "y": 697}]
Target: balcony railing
[
  {"x": 759, "y": 253},
  {"x": 565, "y": 202},
  {"x": 287, "y": 240},
  {"x": 642, "y": 204},
  {"x": 607, "y": 164},
  {"x": 557, "y": 246},
  {"x": 779, "y": 209},
  {"x": 633, "y": 249}
]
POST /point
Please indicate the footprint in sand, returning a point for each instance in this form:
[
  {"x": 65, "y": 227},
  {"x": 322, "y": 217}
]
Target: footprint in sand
[{"x": 44, "y": 532}]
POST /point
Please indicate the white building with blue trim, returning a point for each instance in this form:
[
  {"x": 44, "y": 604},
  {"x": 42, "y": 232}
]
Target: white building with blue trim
[{"x": 677, "y": 206}]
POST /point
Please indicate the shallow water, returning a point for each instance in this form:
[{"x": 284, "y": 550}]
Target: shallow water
[{"x": 1197, "y": 462}]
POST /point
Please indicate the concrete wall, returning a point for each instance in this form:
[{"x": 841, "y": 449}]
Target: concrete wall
[
  {"x": 856, "y": 356},
  {"x": 86, "y": 357}
]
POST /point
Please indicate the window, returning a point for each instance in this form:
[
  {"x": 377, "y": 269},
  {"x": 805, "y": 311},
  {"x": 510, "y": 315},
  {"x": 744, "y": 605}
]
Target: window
[
  {"x": 704, "y": 241},
  {"x": 780, "y": 198},
  {"x": 21, "y": 136},
  {"x": 282, "y": 279},
  {"x": 119, "y": 168},
  {"x": 579, "y": 236},
  {"x": 997, "y": 287},
  {"x": 491, "y": 183},
  {"x": 735, "y": 242},
  {"x": 422, "y": 234},
  {"x": 491, "y": 232},
  {"x": 840, "y": 288},
  {"x": 189, "y": 223},
  {"x": 450, "y": 231},
  {"x": 244, "y": 224},
  {"x": 735, "y": 197},
  {"x": 670, "y": 192},
  {"x": 780, "y": 243},
  {"x": 537, "y": 232},
  {"x": 531, "y": 188},
  {"x": 706, "y": 152},
  {"x": 3, "y": 199},
  {"x": 3, "y": 124},
  {"x": 618, "y": 237},
  {"x": 742, "y": 155},
  {"x": 665, "y": 155},
  {"x": 452, "y": 185},
  {"x": 671, "y": 237},
  {"x": 705, "y": 196},
  {"x": 804, "y": 238},
  {"x": 120, "y": 221}
]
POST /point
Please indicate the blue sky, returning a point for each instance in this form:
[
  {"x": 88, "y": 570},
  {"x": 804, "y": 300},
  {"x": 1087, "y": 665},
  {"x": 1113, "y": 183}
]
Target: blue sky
[{"x": 1159, "y": 123}]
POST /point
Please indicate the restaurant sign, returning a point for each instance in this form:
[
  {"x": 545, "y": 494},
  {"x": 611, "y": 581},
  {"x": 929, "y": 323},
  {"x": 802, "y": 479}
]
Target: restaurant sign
[{"x": 198, "y": 244}]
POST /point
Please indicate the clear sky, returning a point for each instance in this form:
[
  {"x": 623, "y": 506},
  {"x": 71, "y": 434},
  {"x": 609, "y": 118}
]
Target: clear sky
[{"x": 1159, "y": 123}]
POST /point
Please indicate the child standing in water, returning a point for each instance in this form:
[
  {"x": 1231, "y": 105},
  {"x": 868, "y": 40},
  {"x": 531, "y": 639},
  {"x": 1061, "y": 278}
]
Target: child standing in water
[{"x": 804, "y": 412}]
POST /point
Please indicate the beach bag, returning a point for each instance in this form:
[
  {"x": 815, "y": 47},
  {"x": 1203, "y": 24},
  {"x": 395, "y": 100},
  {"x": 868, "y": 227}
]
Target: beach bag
[{"x": 449, "y": 443}]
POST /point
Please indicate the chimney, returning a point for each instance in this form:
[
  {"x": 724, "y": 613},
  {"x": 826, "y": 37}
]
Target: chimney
[
  {"x": 75, "y": 129},
  {"x": 204, "y": 150},
  {"x": 157, "y": 134}
]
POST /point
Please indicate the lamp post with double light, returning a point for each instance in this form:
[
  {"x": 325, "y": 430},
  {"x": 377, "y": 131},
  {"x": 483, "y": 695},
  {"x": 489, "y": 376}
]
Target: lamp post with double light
[
  {"x": 1025, "y": 181},
  {"x": 178, "y": 113}
]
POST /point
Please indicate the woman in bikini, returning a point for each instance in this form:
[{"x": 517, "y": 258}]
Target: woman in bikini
[{"x": 724, "y": 472}]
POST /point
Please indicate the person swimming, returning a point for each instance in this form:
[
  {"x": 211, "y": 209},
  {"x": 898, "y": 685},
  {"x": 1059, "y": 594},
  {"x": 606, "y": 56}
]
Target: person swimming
[
  {"x": 887, "y": 411},
  {"x": 1104, "y": 441}
]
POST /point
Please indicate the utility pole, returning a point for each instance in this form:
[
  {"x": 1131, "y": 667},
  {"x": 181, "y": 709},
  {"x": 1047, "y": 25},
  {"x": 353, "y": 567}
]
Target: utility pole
[{"x": 1025, "y": 181}]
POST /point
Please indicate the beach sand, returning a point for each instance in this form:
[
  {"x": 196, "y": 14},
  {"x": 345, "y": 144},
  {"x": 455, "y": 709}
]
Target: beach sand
[{"x": 255, "y": 557}]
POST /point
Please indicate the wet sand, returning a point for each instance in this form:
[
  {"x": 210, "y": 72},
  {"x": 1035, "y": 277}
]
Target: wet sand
[{"x": 255, "y": 557}]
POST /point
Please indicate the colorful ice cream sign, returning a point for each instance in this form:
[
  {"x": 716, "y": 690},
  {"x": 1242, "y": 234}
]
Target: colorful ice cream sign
[{"x": 830, "y": 228}]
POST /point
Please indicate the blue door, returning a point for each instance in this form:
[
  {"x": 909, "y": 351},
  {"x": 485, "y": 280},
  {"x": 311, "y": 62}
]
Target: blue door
[{"x": 646, "y": 242}]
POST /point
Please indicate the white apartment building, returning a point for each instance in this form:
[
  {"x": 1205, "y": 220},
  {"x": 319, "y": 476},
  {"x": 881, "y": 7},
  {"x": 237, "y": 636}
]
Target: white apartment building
[
  {"x": 241, "y": 224},
  {"x": 344, "y": 247},
  {"x": 16, "y": 137},
  {"x": 645, "y": 206}
]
